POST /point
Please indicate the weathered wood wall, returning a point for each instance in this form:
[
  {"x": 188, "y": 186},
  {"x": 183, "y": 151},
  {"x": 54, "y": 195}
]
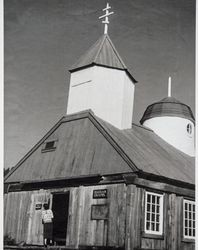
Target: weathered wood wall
[
  {"x": 124, "y": 227},
  {"x": 22, "y": 221},
  {"x": 16, "y": 218},
  {"x": 84, "y": 231},
  {"x": 172, "y": 238}
]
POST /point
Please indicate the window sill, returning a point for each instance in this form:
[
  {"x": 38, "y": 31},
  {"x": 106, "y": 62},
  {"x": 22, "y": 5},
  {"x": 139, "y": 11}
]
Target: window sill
[
  {"x": 47, "y": 150},
  {"x": 188, "y": 240},
  {"x": 152, "y": 236}
]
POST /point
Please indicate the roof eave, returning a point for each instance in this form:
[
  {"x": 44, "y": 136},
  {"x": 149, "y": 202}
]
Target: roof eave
[{"x": 106, "y": 66}]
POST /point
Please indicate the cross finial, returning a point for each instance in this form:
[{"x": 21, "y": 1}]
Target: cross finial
[
  {"x": 169, "y": 86},
  {"x": 106, "y": 21}
]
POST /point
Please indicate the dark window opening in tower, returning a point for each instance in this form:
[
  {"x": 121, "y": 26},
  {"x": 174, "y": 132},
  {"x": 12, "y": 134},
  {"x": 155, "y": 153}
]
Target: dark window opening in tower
[{"x": 189, "y": 129}]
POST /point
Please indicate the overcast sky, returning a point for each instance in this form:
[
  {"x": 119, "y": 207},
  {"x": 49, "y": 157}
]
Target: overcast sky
[{"x": 43, "y": 38}]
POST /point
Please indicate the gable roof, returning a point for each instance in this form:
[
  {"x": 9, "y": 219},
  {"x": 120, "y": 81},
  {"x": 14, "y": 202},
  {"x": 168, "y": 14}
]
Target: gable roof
[
  {"x": 102, "y": 53},
  {"x": 87, "y": 145}
]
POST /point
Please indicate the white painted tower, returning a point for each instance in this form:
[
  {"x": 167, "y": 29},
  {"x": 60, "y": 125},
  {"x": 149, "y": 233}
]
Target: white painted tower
[
  {"x": 173, "y": 121},
  {"x": 100, "y": 81}
]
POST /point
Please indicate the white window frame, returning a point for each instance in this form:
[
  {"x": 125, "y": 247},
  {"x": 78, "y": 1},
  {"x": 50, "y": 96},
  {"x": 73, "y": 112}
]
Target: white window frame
[
  {"x": 161, "y": 209},
  {"x": 192, "y": 203}
]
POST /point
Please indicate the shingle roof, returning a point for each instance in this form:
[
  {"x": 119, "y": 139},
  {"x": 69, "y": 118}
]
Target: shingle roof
[
  {"x": 152, "y": 154},
  {"x": 87, "y": 145},
  {"x": 102, "y": 53},
  {"x": 168, "y": 106}
]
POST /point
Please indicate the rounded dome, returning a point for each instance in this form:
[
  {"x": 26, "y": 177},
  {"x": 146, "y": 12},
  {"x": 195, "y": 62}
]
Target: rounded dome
[{"x": 168, "y": 106}]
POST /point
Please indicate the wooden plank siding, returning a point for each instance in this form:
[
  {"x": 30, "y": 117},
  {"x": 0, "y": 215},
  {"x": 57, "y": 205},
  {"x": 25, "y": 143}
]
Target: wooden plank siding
[
  {"x": 16, "y": 215},
  {"x": 35, "y": 227},
  {"x": 84, "y": 231},
  {"x": 172, "y": 223},
  {"x": 133, "y": 217},
  {"x": 123, "y": 228}
]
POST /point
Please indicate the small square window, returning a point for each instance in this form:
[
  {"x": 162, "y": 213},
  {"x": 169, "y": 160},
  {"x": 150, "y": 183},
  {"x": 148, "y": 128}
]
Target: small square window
[
  {"x": 189, "y": 219},
  {"x": 153, "y": 213},
  {"x": 49, "y": 145}
]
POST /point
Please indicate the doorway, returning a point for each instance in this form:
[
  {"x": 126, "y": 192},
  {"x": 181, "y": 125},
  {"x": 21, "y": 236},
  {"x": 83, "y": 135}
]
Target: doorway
[{"x": 60, "y": 206}]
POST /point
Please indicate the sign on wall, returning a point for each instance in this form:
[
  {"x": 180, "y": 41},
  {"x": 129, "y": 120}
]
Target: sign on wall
[
  {"x": 100, "y": 194},
  {"x": 99, "y": 212},
  {"x": 38, "y": 206}
]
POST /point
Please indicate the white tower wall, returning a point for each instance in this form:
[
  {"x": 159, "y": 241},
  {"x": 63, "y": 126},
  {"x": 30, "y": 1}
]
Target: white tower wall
[
  {"x": 174, "y": 131},
  {"x": 109, "y": 93}
]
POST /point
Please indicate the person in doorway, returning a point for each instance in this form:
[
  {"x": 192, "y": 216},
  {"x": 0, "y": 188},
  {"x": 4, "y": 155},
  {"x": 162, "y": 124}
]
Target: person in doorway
[{"x": 47, "y": 219}]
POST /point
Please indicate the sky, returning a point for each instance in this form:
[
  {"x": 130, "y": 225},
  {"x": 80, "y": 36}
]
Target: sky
[{"x": 43, "y": 38}]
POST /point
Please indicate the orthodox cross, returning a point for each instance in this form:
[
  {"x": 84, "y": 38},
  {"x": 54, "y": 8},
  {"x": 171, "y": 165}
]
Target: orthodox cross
[{"x": 106, "y": 21}]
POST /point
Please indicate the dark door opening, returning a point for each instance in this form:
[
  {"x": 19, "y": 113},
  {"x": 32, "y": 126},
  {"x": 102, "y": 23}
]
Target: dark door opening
[{"x": 60, "y": 206}]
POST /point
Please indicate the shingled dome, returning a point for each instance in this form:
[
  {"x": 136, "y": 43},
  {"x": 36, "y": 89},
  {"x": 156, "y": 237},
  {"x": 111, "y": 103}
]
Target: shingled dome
[{"x": 168, "y": 106}]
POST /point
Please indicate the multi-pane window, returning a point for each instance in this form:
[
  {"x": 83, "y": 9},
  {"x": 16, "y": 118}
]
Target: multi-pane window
[
  {"x": 153, "y": 213},
  {"x": 189, "y": 219}
]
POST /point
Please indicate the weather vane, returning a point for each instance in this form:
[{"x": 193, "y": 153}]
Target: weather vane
[{"x": 106, "y": 21}]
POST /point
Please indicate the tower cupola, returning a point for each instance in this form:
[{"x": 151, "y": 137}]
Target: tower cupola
[
  {"x": 173, "y": 121},
  {"x": 100, "y": 81}
]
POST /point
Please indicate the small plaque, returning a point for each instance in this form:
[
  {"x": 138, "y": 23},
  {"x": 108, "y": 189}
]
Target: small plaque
[
  {"x": 99, "y": 212},
  {"x": 38, "y": 206},
  {"x": 100, "y": 194}
]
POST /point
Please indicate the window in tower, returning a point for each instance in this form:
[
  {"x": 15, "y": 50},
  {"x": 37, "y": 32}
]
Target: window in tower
[{"x": 189, "y": 128}]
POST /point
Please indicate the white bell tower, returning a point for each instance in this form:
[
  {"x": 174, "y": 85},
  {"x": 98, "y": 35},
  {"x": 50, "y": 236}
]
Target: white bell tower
[
  {"x": 100, "y": 81},
  {"x": 173, "y": 121}
]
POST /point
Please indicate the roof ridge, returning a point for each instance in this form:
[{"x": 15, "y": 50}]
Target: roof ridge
[
  {"x": 116, "y": 52},
  {"x": 141, "y": 126},
  {"x": 114, "y": 139},
  {"x": 100, "y": 48},
  {"x": 85, "y": 52}
]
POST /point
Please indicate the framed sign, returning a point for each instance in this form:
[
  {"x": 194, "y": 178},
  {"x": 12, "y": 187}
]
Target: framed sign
[
  {"x": 100, "y": 194},
  {"x": 38, "y": 206},
  {"x": 99, "y": 212}
]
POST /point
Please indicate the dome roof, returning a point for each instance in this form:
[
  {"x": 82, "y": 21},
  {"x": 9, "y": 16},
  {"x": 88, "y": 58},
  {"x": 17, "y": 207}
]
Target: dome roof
[{"x": 168, "y": 106}]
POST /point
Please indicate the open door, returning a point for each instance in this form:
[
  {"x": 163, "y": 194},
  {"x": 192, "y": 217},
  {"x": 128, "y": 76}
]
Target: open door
[{"x": 60, "y": 206}]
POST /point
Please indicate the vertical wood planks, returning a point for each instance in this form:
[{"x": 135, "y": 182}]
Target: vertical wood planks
[
  {"x": 82, "y": 230},
  {"x": 15, "y": 214},
  {"x": 123, "y": 227},
  {"x": 133, "y": 217},
  {"x": 35, "y": 226}
]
